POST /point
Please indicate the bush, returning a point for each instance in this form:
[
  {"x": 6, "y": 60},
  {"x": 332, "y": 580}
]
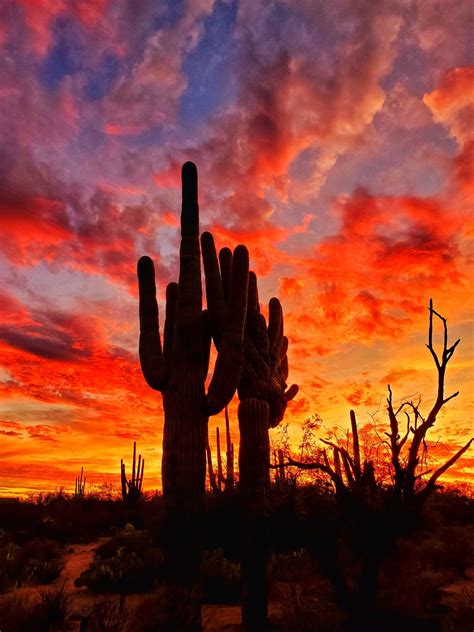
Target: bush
[
  {"x": 125, "y": 564},
  {"x": 220, "y": 578},
  {"x": 49, "y": 613},
  {"x": 36, "y": 562},
  {"x": 108, "y": 615},
  {"x": 162, "y": 611},
  {"x": 306, "y": 604}
]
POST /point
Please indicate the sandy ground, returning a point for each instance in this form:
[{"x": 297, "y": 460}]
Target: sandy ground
[
  {"x": 461, "y": 590},
  {"x": 215, "y": 618}
]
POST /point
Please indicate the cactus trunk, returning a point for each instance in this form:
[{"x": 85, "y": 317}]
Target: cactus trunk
[{"x": 254, "y": 458}]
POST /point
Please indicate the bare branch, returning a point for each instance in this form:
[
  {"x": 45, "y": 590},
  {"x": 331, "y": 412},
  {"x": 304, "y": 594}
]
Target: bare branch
[{"x": 441, "y": 470}]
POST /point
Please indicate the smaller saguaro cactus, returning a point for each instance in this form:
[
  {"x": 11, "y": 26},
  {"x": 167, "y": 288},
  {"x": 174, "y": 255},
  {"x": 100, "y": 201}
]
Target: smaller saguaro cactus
[
  {"x": 80, "y": 486},
  {"x": 279, "y": 465},
  {"x": 264, "y": 396},
  {"x": 132, "y": 489},
  {"x": 219, "y": 481},
  {"x": 359, "y": 477}
]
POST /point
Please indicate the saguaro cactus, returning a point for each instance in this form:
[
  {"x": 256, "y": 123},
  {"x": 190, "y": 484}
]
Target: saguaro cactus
[
  {"x": 80, "y": 486},
  {"x": 132, "y": 489},
  {"x": 178, "y": 369},
  {"x": 217, "y": 481},
  {"x": 263, "y": 397}
]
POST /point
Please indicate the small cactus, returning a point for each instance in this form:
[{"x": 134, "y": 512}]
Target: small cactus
[
  {"x": 80, "y": 486},
  {"x": 218, "y": 481},
  {"x": 132, "y": 489}
]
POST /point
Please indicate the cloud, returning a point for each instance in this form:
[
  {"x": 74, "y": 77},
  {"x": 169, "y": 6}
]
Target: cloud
[
  {"x": 149, "y": 94},
  {"x": 396, "y": 375},
  {"x": 452, "y": 103},
  {"x": 361, "y": 394}
]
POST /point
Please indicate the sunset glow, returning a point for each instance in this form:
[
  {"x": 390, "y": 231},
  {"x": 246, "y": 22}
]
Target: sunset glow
[{"x": 334, "y": 139}]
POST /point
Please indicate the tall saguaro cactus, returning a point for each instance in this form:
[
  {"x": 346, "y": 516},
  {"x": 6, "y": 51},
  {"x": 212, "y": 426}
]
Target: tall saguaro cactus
[
  {"x": 264, "y": 396},
  {"x": 178, "y": 369}
]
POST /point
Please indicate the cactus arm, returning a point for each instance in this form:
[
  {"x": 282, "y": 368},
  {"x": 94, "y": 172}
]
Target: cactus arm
[
  {"x": 214, "y": 291},
  {"x": 187, "y": 339},
  {"x": 151, "y": 356},
  {"x": 134, "y": 461},
  {"x": 253, "y": 302},
  {"x": 275, "y": 325},
  {"x": 220, "y": 475},
  {"x": 168, "y": 336},
  {"x": 291, "y": 392},
  {"x": 355, "y": 443},
  {"x": 284, "y": 368},
  {"x": 206, "y": 342},
  {"x": 140, "y": 485},
  {"x": 138, "y": 470},
  {"x": 256, "y": 323},
  {"x": 229, "y": 363},
  {"x": 229, "y": 483},
  {"x": 123, "y": 479},
  {"x": 189, "y": 207},
  {"x": 225, "y": 262}
]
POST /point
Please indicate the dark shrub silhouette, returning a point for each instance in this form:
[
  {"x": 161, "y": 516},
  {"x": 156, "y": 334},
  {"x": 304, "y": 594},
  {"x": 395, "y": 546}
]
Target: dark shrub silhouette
[{"x": 128, "y": 563}]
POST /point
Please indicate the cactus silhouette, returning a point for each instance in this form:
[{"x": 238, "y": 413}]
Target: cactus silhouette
[
  {"x": 132, "y": 489},
  {"x": 80, "y": 487},
  {"x": 179, "y": 368},
  {"x": 218, "y": 481},
  {"x": 266, "y": 361},
  {"x": 264, "y": 396}
]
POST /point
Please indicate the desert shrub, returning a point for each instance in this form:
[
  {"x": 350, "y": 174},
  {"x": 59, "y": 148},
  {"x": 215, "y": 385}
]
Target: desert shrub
[
  {"x": 108, "y": 615},
  {"x": 305, "y": 603},
  {"x": 36, "y": 562},
  {"x": 461, "y": 612},
  {"x": 220, "y": 578},
  {"x": 54, "y": 608},
  {"x": 412, "y": 578},
  {"x": 127, "y": 563},
  {"x": 290, "y": 567},
  {"x": 164, "y": 610},
  {"x": 47, "y": 613}
]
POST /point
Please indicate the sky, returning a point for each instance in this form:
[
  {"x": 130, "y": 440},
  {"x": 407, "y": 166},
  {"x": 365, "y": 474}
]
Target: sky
[{"x": 334, "y": 139}]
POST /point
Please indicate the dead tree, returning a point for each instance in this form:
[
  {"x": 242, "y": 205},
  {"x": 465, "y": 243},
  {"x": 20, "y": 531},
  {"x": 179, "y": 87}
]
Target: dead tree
[
  {"x": 376, "y": 513},
  {"x": 406, "y": 468},
  {"x": 406, "y": 450}
]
